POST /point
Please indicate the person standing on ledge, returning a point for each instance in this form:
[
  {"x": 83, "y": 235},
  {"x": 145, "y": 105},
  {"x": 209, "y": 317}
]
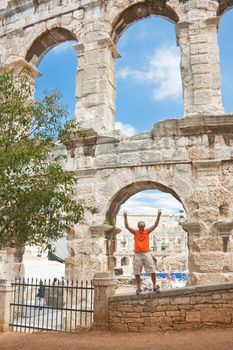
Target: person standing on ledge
[{"x": 142, "y": 256}]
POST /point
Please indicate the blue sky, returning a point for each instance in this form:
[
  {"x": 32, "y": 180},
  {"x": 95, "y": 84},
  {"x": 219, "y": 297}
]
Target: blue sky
[
  {"x": 148, "y": 83},
  {"x": 148, "y": 76},
  {"x": 226, "y": 57}
]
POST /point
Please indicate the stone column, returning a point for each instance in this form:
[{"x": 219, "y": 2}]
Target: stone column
[
  {"x": 210, "y": 255},
  {"x": 104, "y": 287},
  {"x": 193, "y": 230},
  {"x": 11, "y": 263},
  {"x": 89, "y": 251},
  {"x": 200, "y": 68},
  {"x": 111, "y": 246},
  {"x": 5, "y": 299},
  {"x": 96, "y": 86},
  {"x": 225, "y": 230},
  {"x": 210, "y": 235}
]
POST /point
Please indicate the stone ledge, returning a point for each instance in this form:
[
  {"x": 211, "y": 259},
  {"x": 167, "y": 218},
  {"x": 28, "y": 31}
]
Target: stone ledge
[
  {"x": 174, "y": 292},
  {"x": 205, "y": 124},
  {"x": 194, "y": 125}
]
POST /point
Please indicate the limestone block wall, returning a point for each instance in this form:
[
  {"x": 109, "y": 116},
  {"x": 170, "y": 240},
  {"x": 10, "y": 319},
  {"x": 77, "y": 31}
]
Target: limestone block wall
[
  {"x": 28, "y": 29},
  {"x": 191, "y": 158},
  {"x": 189, "y": 308}
]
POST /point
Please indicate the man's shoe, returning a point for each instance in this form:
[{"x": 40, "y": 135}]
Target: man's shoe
[
  {"x": 157, "y": 289},
  {"x": 138, "y": 291}
]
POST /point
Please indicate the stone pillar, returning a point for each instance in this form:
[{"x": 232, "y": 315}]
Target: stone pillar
[
  {"x": 96, "y": 86},
  {"x": 225, "y": 230},
  {"x": 5, "y": 299},
  {"x": 210, "y": 255},
  {"x": 104, "y": 287},
  {"x": 200, "y": 68},
  {"x": 89, "y": 252},
  {"x": 208, "y": 262},
  {"x": 111, "y": 246},
  {"x": 193, "y": 230},
  {"x": 11, "y": 263}
]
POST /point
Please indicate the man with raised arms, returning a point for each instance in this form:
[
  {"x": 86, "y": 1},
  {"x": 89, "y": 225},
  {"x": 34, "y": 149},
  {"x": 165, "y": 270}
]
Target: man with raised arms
[{"x": 142, "y": 255}]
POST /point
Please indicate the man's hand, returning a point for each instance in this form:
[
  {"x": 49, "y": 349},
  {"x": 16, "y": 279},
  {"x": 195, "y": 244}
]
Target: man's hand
[
  {"x": 126, "y": 223},
  {"x": 152, "y": 228}
]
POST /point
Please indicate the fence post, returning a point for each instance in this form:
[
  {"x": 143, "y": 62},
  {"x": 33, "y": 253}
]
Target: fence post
[
  {"x": 5, "y": 298},
  {"x": 104, "y": 286}
]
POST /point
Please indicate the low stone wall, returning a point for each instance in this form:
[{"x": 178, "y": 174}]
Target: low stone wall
[{"x": 186, "y": 308}]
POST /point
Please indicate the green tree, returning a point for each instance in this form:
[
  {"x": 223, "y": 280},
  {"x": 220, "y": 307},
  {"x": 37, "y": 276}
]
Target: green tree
[{"x": 37, "y": 202}]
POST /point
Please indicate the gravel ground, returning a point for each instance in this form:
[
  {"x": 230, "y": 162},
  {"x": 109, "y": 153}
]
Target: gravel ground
[{"x": 211, "y": 339}]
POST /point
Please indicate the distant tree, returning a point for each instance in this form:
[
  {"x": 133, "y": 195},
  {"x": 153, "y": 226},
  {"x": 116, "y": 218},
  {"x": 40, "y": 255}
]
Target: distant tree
[{"x": 37, "y": 202}]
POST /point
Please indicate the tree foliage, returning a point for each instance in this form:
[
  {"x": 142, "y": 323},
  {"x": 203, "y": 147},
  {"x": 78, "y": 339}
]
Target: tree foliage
[{"x": 37, "y": 202}]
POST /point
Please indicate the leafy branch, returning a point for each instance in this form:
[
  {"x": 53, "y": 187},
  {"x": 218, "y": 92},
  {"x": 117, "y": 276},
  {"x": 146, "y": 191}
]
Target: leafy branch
[{"x": 37, "y": 197}]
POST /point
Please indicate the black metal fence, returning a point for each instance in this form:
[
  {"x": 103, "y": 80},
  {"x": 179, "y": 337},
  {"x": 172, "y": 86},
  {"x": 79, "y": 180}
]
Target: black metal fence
[{"x": 41, "y": 305}]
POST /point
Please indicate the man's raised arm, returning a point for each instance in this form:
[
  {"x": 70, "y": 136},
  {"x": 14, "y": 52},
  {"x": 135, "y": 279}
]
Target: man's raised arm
[
  {"x": 152, "y": 228},
  {"x": 127, "y": 224}
]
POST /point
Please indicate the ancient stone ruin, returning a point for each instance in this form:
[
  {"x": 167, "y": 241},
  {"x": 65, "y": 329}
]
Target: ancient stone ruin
[{"x": 191, "y": 158}]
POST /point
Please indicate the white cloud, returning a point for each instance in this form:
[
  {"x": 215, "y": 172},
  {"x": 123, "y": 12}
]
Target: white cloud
[
  {"x": 64, "y": 46},
  {"x": 126, "y": 129},
  {"x": 161, "y": 72},
  {"x": 148, "y": 203},
  {"x": 123, "y": 42}
]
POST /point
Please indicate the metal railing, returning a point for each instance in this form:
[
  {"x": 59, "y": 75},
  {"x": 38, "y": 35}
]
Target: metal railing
[{"x": 41, "y": 305}]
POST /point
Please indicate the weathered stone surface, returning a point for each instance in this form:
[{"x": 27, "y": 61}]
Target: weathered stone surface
[
  {"x": 190, "y": 158},
  {"x": 216, "y": 315},
  {"x": 204, "y": 299},
  {"x": 104, "y": 286},
  {"x": 180, "y": 300},
  {"x": 6, "y": 292},
  {"x": 172, "y": 313},
  {"x": 205, "y": 310},
  {"x": 193, "y": 316}
]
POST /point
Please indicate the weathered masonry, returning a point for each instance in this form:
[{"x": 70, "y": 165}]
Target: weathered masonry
[
  {"x": 191, "y": 158},
  {"x": 189, "y": 308}
]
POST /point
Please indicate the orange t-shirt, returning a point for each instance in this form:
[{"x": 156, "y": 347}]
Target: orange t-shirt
[{"x": 141, "y": 240}]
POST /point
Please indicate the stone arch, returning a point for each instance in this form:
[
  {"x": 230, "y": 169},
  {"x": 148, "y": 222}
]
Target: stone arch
[
  {"x": 140, "y": 10},
  {"x": 224, "y": 6},
  {"x": 46, "y": 41},
  {"x": 126, "y": 192}
]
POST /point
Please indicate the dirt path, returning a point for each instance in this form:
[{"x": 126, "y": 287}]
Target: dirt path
[{"x": 88, "y": 340}]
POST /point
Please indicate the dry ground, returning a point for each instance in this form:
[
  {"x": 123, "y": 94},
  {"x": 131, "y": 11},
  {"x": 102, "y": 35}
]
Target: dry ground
[{"x": 214, "y": 339}]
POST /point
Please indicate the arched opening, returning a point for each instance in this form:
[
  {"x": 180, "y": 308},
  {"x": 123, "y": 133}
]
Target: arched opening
[
  {"x": 139, "y": 11},
  {"x": 46, "y": 41},
  {"x": 128, "y": 191},
  {"x": 168, "y": 243},
  {"x": 224, "y": 6},
  {"x": 56, "y": 59},
  {"x": 149, "y": 86},
  {"x": 226, "y": 56},
  {"x": 54, "y": 55},
  {"x": 59, "y": 70}
]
